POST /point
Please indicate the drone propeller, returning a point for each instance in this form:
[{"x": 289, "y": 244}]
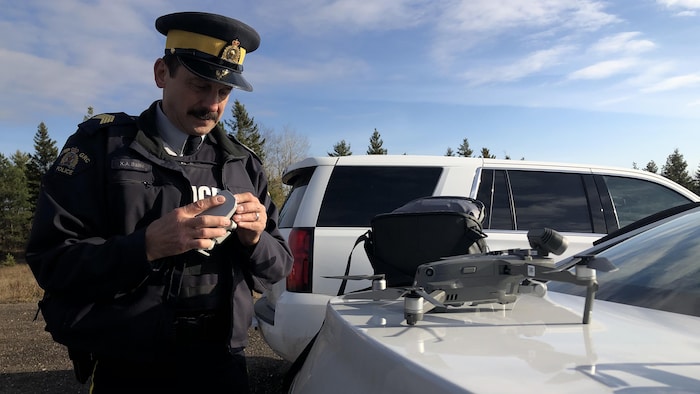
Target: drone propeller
[
  {"x": 356, "y": 277},
  {"x": 428, "y": 297},
  {"x": 590, "y": 261},
  {"x": 389, "y": 294},
  {"x": 598, "y": 263}
]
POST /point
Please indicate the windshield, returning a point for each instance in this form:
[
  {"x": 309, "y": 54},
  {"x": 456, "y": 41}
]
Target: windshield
[{"x": 658, "y": 269}]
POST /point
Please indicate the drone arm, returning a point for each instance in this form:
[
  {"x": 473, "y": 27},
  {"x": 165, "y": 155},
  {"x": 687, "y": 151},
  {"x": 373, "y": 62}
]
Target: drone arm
[{"x": 583, "y": 276}]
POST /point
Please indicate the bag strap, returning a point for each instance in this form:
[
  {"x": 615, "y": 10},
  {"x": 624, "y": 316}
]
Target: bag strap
[{"x": 362, "y": 238}]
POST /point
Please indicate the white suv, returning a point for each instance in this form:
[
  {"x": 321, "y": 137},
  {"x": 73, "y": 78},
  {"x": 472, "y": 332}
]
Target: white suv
[{"x": 333, "y": 200}]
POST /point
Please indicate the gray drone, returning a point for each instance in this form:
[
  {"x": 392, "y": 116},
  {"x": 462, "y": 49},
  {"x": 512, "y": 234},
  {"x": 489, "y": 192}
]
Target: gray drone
[{"x": 494, "y": 277}]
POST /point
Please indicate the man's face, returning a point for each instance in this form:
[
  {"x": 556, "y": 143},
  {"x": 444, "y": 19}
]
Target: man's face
[{"x": 191, "y": 103}]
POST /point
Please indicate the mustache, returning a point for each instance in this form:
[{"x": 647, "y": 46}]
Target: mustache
[{"x": 203, "y": 114}]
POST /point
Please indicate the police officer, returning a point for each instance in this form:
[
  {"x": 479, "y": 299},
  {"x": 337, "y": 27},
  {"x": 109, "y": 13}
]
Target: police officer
[{"x": 160, "y": 296}]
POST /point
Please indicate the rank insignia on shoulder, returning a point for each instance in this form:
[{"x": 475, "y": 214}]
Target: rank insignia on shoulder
[
  {"x": 71, "y": 159},
  {"x": 104, "y": 118}
]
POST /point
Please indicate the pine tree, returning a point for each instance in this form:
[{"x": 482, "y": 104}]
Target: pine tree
[
  {"x": 486, "y": 154},
  {"x": 90, "y": 113},
  {"x": 449, "y": 152},
  {"x": 464, "y": 149},
  {"x": 375, "y": 144},
  {"x": 652, "y": 167},
  {"x": 696, "y": 181},
  {"x": 342, "y": 148},
  {"x": 15, "y": 209},
  {"x": 675, "y": 169},
  {"x": 45, "y": 153},
  {"x": 245, "y": 130}
]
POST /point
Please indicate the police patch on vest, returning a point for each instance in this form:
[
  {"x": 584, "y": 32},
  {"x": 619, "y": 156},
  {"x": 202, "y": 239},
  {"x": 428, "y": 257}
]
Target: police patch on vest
[
  {"x": 71, "y": 160},
  {"x": 130, "y": 164}
]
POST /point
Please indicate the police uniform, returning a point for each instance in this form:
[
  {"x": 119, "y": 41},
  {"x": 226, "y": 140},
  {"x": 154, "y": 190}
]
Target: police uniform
[{"x": 179, "y": 322}]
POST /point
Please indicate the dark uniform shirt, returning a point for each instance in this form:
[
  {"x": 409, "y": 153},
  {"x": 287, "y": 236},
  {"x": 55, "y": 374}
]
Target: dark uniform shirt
[{"x": 111, "y": 180}]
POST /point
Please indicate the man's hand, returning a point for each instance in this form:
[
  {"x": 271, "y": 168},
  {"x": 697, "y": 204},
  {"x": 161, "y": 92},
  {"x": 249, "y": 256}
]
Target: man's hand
[
  {"x": 181, "y": 229},
  {"x": 251, "y": 218}
]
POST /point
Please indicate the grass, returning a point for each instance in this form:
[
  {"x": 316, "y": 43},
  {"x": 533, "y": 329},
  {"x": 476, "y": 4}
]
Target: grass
[{"x": 17, "y": 284}]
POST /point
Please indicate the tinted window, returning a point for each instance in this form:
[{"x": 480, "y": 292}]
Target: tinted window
[
  {"x": 637, "y": 198},
  {"x": 656, "y": 269},
  {"x": 540, "y": 199},
  {"x": 356, "y": 194},
  {"x": 291, "y": 205},
  {"x": 494, "y": 193},
  {"x": 550, "y": 199}
]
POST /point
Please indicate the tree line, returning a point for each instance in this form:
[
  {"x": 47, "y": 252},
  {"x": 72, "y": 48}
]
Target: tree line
[
  {"x": 675, "y": 168},
  {"x": 21, "y": 173}
]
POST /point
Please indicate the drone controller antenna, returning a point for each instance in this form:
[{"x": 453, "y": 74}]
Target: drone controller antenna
[{"x": 413, "y": 308}]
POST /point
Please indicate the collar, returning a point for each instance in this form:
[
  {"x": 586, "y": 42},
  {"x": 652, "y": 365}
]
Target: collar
[{"x": 173, "y": 138}]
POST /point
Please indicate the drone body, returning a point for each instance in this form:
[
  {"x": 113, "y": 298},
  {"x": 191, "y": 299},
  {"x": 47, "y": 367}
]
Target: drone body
[
  {"x": 494, "y": 277},
  {"x": 484, "y": 278}
]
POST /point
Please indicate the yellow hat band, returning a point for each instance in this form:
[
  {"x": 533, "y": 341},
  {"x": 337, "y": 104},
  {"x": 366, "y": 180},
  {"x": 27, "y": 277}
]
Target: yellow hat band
[{"x": 229, "y": 51}]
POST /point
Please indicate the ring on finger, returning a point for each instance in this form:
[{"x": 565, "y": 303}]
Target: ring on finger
[{"x": 257, "y": 216}]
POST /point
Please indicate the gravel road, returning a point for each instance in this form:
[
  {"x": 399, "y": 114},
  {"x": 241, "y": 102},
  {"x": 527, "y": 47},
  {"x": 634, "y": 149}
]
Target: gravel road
[{"x": 30, "y": 362}]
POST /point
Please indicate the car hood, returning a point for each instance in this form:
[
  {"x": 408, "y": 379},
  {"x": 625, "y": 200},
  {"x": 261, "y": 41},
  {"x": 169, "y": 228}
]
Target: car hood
[{"x": 536, "y": 344}]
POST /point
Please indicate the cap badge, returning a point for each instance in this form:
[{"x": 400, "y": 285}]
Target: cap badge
[{"x": 232, "y": 53}]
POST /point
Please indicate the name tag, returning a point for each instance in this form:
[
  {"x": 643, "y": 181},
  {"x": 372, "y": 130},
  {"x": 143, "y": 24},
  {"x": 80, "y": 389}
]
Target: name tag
[{"x": 130, "y": 164}]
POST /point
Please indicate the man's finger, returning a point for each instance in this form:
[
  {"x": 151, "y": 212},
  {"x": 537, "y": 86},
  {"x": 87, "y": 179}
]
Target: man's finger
[{"x": 202, "y": 205}]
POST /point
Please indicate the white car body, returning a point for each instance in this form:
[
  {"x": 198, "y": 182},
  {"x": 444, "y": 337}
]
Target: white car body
[
  {"x": 536, "y": 345},
  {"x": 299, "y": 315}
]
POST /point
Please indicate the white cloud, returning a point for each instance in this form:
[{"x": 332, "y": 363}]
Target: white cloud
[
  {"x": 310, "y": 17},
  {"x": 604, "y": 69},
  {"x": 622, "y": 43},
  {"x": 693, "y": 4},
  {"x": 501, "y": 15},
  {"x": 531, "y": 64},
  {"x": 469, "y": 24},
  {"x": 674, "y": 83}
]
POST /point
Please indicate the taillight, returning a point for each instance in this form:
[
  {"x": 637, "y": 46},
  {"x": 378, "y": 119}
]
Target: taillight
[{"x": 301, "y": 242}]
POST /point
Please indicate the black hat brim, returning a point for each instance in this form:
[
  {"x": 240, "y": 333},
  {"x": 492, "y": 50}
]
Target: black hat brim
[{"x": 216, "y": 73}]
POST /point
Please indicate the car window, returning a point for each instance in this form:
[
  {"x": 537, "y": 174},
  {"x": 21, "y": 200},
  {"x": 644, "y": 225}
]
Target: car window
[
  {"x": 637, "y": 198},
  {"x": 495, "y": 194},
  {"x": 291, "y": 205},
  {"x": 355, "y": 194},
  {"x": 539, "y": 199},
  {"x": 656, "y": 269}
]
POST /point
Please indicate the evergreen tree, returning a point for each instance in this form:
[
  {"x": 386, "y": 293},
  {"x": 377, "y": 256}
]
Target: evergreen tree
[
  {"x": 45, "y": 153},
  {"x": 449, "y": 152},
  {"x": 652, "y": 167},
  {"x": 245, "y": 130},
  {"x": 15, "y": 209},
  {"x": 675, "y": 169},
  {"x": 90, "y": 114},
  {"x": 696, "y": 181},
  {"x": 342, "y": 148},
  {"x": 375, "y": 145},
  {"x": 486, "y": 154},
  {"x": 21, "y": 160},
  {"x": 464, "y": 149}
]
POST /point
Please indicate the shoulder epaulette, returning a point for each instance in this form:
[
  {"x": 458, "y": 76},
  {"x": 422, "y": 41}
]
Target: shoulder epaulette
[
  {"x": 237, "y": 142},
  {"x": 101, "y": 121}
]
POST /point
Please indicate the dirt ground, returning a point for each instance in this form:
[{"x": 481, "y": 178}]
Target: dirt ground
[{"x": 30, "y": 362}]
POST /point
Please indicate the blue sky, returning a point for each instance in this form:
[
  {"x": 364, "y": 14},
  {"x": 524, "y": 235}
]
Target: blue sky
[{"x": 602, "y": 82}]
